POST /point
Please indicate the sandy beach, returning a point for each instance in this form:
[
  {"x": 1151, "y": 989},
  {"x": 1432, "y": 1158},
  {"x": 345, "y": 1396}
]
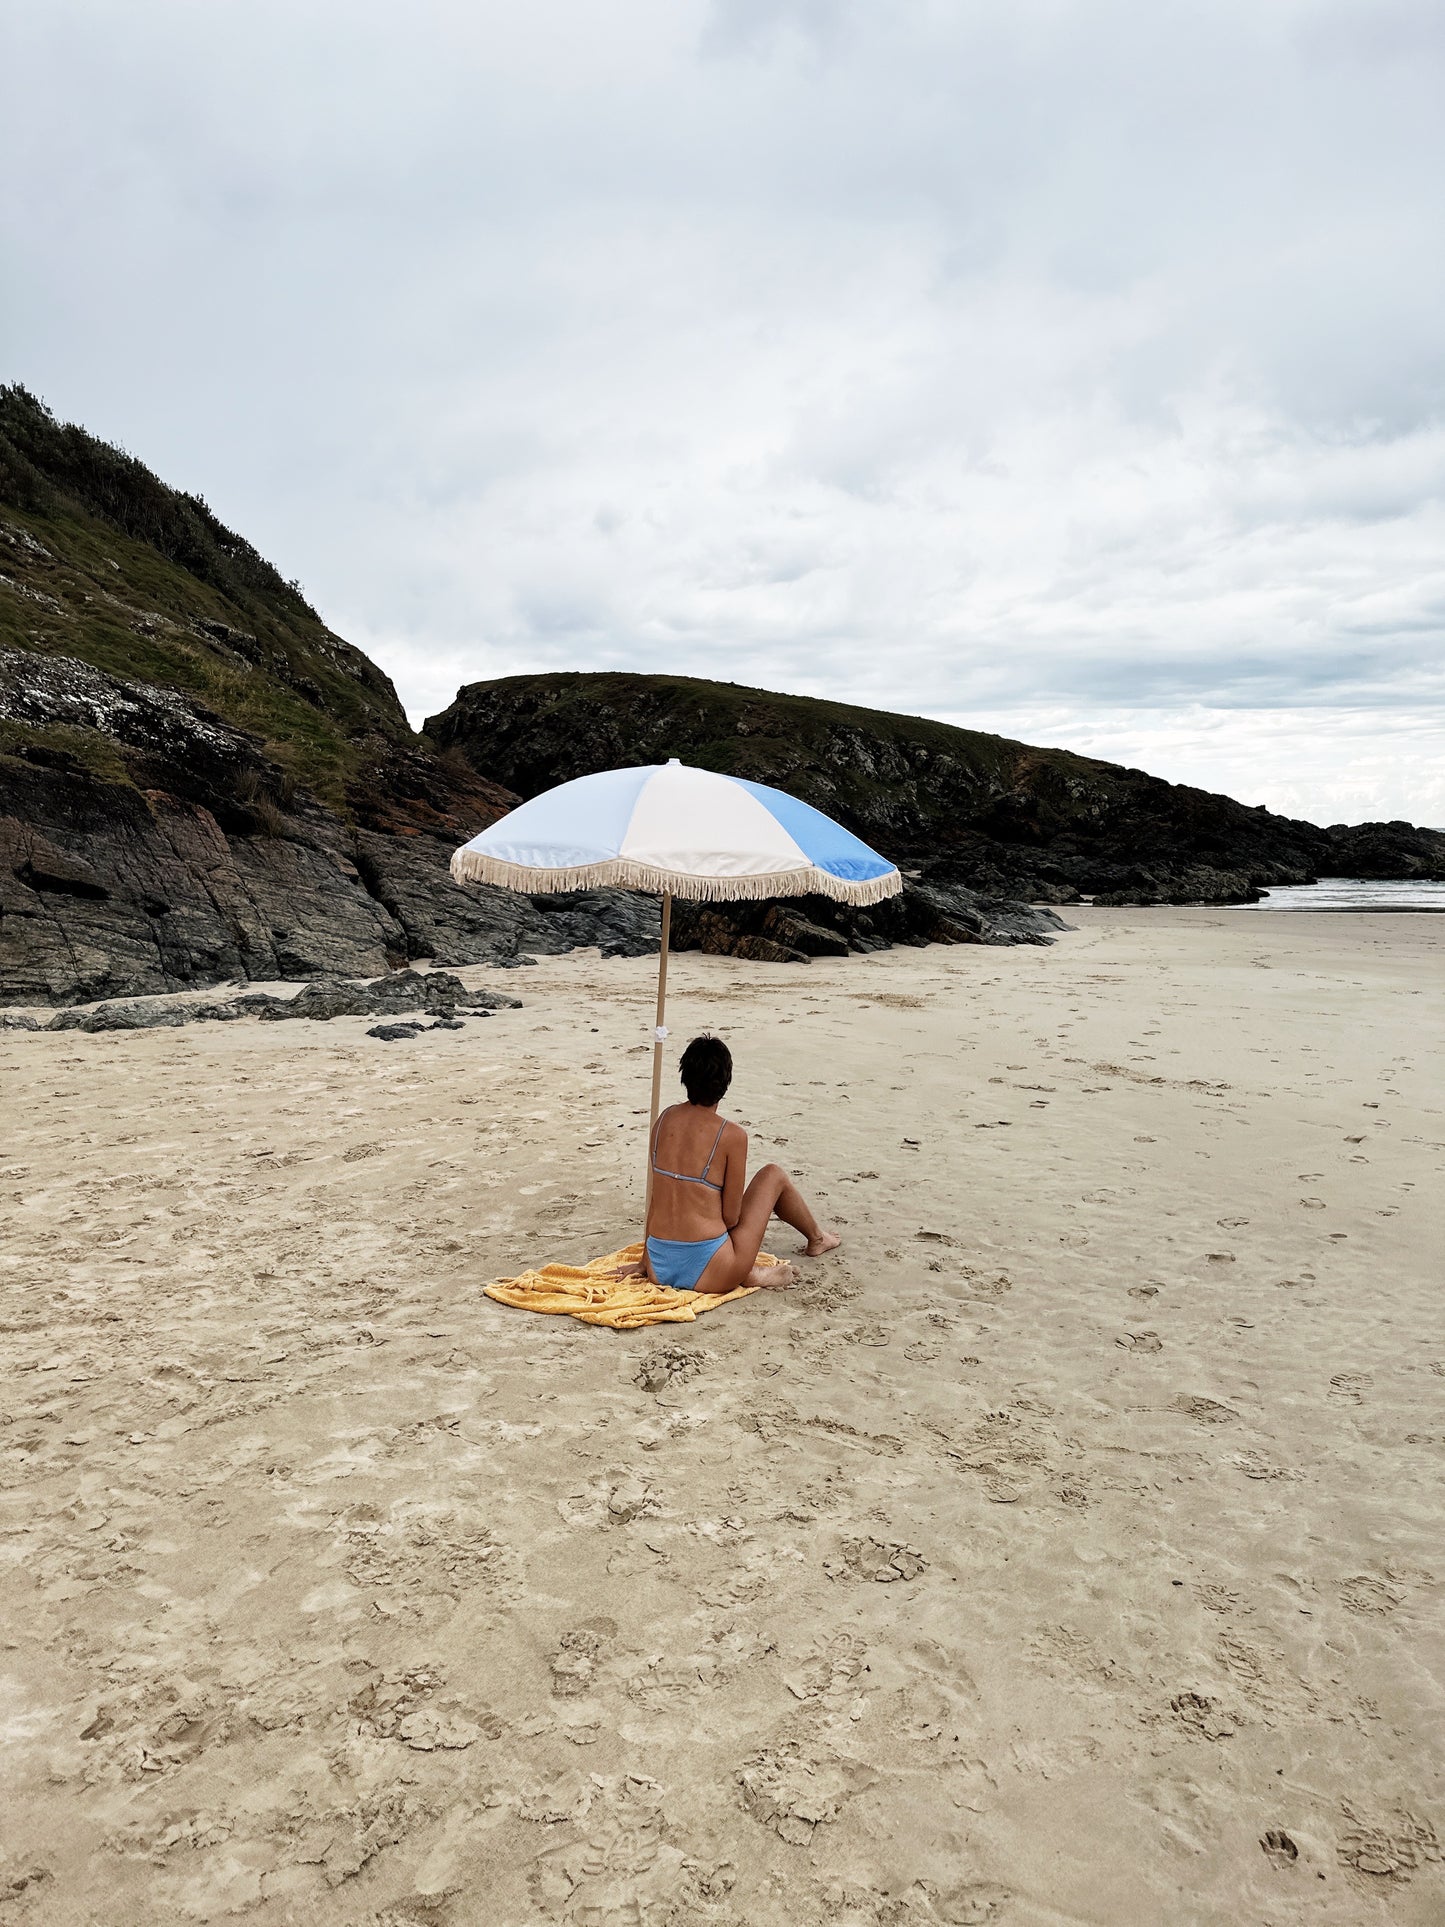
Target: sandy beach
[{"x": 1066, "y": 1549}]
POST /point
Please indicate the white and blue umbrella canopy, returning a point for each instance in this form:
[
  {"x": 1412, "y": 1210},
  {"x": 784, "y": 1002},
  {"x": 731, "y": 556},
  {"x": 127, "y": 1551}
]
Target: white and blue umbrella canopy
[{"x": 677, "y": 831}]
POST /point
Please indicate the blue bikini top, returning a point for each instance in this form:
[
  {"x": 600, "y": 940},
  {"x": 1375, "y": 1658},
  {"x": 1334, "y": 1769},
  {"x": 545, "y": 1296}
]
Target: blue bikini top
[{"x": 682, "y": 1176}]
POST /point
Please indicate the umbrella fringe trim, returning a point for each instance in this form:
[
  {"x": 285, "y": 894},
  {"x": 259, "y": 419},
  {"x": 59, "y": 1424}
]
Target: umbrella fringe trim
[{"x": 622, "y": 873}]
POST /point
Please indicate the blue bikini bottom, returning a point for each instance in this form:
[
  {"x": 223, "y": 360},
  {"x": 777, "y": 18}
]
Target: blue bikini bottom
[{"x": 680, "y": 1263}]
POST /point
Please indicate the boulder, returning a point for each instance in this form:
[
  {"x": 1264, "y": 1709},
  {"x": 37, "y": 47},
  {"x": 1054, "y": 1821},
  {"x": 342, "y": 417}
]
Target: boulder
[
  {"x": 437, "y": 992},
  {"x": 1194, "y": 883},
  {"x": 797, "y": 929},
  {"x": 144, "y": 1013},
  {"x": 437, "y": 995}
]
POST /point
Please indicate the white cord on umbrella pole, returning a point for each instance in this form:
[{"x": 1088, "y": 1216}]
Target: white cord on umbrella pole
[{"x": 659, "y": 1035}]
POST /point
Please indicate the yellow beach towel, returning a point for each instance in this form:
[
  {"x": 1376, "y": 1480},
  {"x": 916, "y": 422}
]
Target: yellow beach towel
[{"x": 591, "y": 1292}]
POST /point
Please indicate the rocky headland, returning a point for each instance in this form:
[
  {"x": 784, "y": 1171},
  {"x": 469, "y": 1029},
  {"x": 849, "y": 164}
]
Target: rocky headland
[
  {"x": 201, "y": 783},
  {"x": 958, "y": 809}
]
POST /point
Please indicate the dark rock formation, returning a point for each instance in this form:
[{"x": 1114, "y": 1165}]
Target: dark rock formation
[
  {"x": 478, "y": 923},
  {"x": 1192, "y": 883},
  {"x": 198, "y": 780},
  {"x": 798, "y": 929},
  {"x": 398, "y": 1033},
  {"x": 134, "y": 1013},
  {"x": 1385, "y": 851},
  {"x": 436, "y": 994},
  {"x": 969, "y": 810},
  {"x": 125, "y": 891}
]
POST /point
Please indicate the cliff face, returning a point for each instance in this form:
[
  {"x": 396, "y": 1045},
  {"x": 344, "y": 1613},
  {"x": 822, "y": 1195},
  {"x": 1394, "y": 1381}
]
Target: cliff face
[
  {"x": 965, "y": 808},
  {"x": 198, "y": 779}
]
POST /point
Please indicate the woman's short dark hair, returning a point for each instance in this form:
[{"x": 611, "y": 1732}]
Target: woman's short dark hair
[{"x": 707, "y": 1070}]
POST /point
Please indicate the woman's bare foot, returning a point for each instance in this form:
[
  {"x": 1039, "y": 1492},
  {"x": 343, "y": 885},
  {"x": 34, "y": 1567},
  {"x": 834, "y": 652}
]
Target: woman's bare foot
[
  {"x": 825, "y": 1241},
  {"x": 772, "y": 1277}
]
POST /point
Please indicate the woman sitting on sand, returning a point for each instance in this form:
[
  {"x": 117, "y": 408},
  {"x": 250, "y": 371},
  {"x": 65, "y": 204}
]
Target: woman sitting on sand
[{"x": 704, "y": 1230}]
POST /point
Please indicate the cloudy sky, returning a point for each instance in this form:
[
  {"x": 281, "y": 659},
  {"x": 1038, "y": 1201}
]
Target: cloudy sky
[{"x": 1073, "y": 368}]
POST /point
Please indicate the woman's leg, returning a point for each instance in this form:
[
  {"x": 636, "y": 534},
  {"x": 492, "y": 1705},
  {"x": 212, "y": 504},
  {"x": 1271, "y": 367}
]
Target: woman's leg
[{"x": 771, "y": 1193}]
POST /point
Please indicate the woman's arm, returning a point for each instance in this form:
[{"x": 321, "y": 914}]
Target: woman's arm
[{"x": 735, "y": 1174}]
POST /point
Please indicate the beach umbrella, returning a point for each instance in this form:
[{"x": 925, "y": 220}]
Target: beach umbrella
[{"x": 678, "y": 832}]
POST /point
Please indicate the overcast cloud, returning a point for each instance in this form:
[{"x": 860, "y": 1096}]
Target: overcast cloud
[{"x": 1072, "y": 369}]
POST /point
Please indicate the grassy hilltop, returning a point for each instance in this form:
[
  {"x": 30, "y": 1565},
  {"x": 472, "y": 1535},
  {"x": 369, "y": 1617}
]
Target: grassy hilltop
[{"x": 102, "y": 562}]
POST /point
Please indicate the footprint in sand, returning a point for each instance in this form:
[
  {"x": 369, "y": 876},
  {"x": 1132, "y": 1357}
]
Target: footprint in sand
[
  {"x": 1204, "y": 1715},
  {"x": 1368, "y": 1597},
  {"x": 1279, "y": 1849},
  {"x": 975, "y": 1904},
  {"x": 669, "y": 1365},
  {"x": 875, "y": 1336},
  {"x": 1219, "y": 1599},
  {"x": 793, "y": 1794},
  {"x": 676, "y": 1680},
  {"x": 1391, "y": 1850},
  {"x": 579, "y": 1656},
  {"x": 1141, "y": 1342},
  {"x": 615, "y": 1500},
  {"x": 876, "y": 1559},
  {"x": 397, "y": 1706},
  {"x": 1208, "y": 1411},
  {"x": 831, "y": 1669},
  {"x": 1255, "y": 1467},
  {"x": 617, "y": 1867}
]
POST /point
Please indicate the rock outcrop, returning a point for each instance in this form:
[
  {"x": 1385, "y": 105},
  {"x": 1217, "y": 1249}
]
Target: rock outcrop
[
  {"x": 798, "y": 929},
  {"x": 199, "y": 781},
  {"x": 436, "y": 994},
  {"x": 966, "y": 810}
]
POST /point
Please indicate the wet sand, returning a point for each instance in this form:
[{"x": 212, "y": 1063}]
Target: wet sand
[{"x": 1067, "y": 1549}]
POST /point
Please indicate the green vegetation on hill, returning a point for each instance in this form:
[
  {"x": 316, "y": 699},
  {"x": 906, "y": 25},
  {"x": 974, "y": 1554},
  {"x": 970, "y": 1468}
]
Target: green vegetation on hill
[
  {"x": 753, "y": 733},
  {"x": 99, "y": 560},
  {"x": 914, "y": 784}
]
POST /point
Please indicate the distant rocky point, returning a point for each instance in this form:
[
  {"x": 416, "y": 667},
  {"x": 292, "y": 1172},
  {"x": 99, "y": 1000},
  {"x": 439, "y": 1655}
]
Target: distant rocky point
[{"x": 960, "y": 809}]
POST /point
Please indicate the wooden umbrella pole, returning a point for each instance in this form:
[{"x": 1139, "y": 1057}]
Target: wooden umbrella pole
[{"x": 657, "y": 1043}]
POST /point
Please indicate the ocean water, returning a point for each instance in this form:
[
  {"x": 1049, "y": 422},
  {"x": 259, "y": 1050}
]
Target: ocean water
[{"x": 1351, "y": 893}]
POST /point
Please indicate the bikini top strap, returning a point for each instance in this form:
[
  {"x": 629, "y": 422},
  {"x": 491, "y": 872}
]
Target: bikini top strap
[
  {"x": 655, "y": 1129},
  {"x": 722, "y": 1126}
]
